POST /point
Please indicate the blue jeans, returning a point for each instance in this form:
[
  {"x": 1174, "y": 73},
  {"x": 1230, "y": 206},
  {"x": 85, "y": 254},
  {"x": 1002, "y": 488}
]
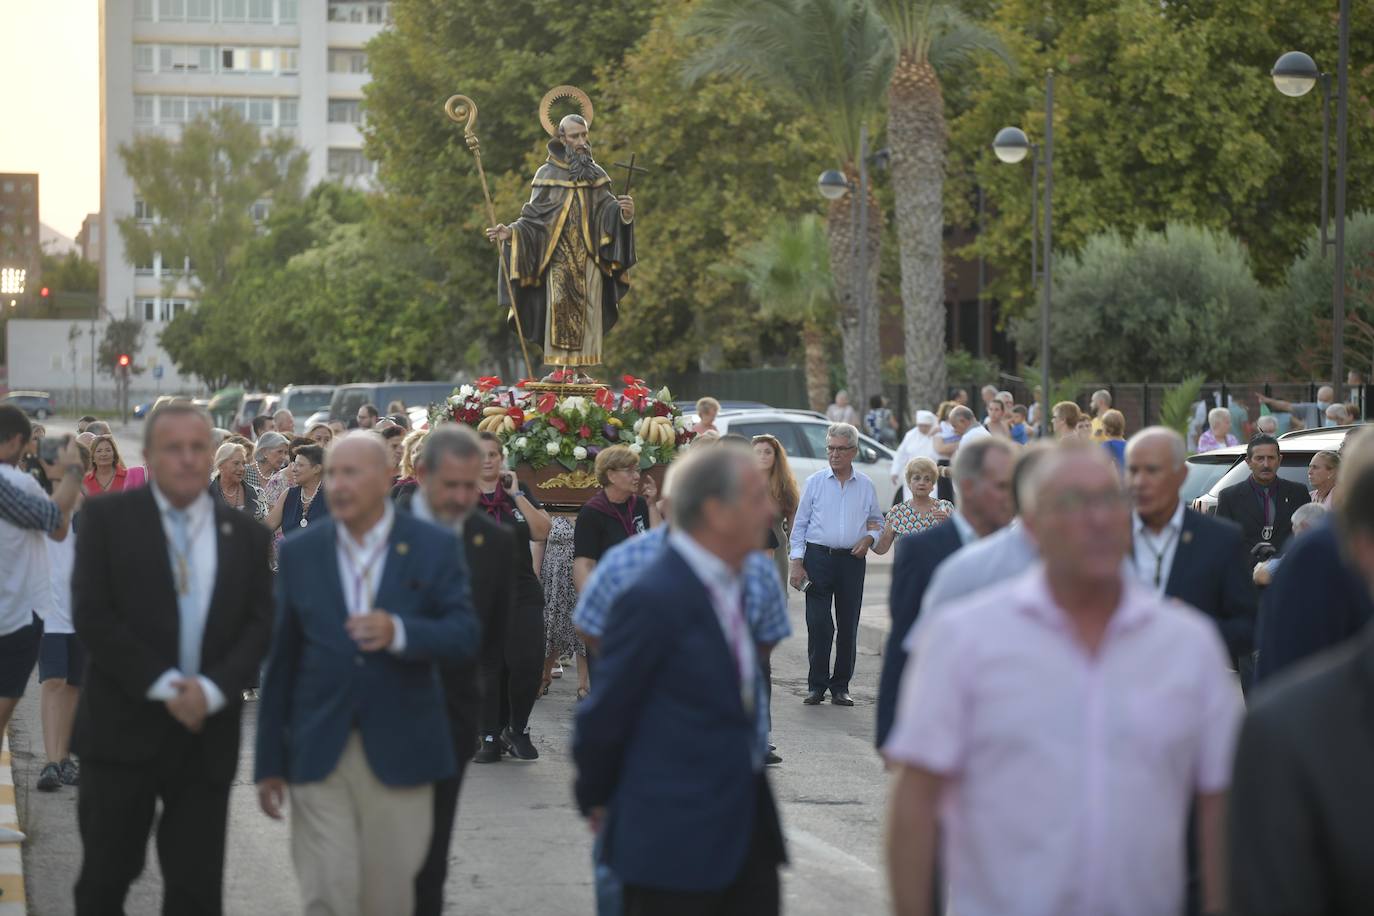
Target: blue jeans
[{"x": 609, "y": 890}]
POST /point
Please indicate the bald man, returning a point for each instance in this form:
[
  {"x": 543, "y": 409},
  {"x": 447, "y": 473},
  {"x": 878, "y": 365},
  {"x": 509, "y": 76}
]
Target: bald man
[{"x": 352, "y": 716}]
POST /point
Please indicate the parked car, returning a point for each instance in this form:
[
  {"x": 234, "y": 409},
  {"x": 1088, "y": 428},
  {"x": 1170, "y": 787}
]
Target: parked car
[
  {"x": 1206, "y": 468},
  {"x": 304, "y": 401},
  {"x": 37, "y": 404},
  {"x": 348, "y": 398},
  {"x": 1295, "y": 453},
  {"x": 141, "y": 411},
  {"x": 250, "y": 406},
  {"x": 802, "y": 433}
]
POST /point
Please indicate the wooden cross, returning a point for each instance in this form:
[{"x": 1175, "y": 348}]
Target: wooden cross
[{"x": 630, "y": 169}]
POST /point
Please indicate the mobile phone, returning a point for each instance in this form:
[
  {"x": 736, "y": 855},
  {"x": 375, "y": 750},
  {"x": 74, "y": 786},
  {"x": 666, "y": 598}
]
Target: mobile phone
[
  {"x": 507, "y": 479},
  {"x": 49, "y": 449},
  {"x": 806, "y": 583}
]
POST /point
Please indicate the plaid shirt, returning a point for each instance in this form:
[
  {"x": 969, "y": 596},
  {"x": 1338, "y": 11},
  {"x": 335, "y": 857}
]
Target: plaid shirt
[
  {"x": 765, "y": 602},
  {"x": 24, "y": 510}
]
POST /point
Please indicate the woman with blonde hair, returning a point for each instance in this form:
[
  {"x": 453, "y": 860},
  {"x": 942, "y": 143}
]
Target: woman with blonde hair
[
  {"x": 228, "y": 485},
  {"x": 782, "y": 486},
  {"x": 410, "y": 456},
  {"x": 1064, "y": 419},
  {"x": 919, "y": 513}
]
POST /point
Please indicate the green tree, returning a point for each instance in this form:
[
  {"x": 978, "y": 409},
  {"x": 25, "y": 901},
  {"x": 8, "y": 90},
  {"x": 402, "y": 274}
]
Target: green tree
[
  {"x": 787, "y": 272},
  {"x": 1158, "y": 305},
  {"x": 123, "y": 335},
  {"x": 70, "y": 273},
  {"x": 202, "y": 187},
  {"x": 932, "y": 38},
  {"x": 831, "y": 60},
  {"x": 1304, "y": 302}
]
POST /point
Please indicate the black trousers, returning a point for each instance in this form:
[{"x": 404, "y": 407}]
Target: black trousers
[
  {"x": 754, "y": 892},
  {"x": 836, "y": 578},
  {"x": 429, "y": 883},
  {"x": 114, "y": 809},
  {"x": 512, "y": 672}
]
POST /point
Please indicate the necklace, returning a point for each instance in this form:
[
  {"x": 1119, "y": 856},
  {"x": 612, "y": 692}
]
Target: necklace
[
  {"x": 236, "y": 499},
  {"x": 105, "y": 485},
  {"x": 306, "y": 504}
]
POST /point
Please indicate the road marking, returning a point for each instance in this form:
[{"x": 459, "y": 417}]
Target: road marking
[
  {"x": 833, "y": 854},
  {"x": 12, "y": 900}
]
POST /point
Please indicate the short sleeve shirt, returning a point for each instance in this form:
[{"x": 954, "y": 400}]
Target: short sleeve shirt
[{"x": 596, "y": 532}]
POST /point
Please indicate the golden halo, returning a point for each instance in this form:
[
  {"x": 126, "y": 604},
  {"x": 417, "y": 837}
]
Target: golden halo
[{"x": 563, "y": 92}]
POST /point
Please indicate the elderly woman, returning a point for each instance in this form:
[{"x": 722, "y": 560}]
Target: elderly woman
[
  {"x": 707, "y": 411},
  {"x": 1218, "y": 432},
  {"x": 921, "y": 511},
  {"x": 320, "y": 434},
  {"x": 269, "y": 457},
  {"x": 228, "y": 485},
  {"x": 304, "y": 501},
  {"x": 1321, "y": 474}
]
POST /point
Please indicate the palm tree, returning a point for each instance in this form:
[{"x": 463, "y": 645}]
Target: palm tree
[
  {"x": 930, "y": 38},
  {"x": 787, "y": 272},
  {"x": 832, "y": 58}
]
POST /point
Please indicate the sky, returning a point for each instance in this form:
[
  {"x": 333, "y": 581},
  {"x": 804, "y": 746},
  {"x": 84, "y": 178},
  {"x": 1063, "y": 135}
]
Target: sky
[{"x": 50, "y": 71}]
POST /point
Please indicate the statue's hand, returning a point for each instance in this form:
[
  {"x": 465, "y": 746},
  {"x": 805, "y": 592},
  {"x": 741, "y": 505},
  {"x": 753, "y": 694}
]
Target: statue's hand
[
  {"x": 627, "y": 208},
  {"x": 498, "y": 234}
]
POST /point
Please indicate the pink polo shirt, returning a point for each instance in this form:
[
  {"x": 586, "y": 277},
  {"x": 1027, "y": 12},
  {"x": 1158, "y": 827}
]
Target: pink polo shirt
[{"x": 1069, "y": 776}]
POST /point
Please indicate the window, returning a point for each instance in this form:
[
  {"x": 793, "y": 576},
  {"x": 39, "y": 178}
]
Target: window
[
  {"x": 344, "y": 111},
  {"x": 248, "y": 60},
  {"x": 378, "y": 13},
  {"x": 146, "y": 308},
  {"x": 171, "y": 10},
  {"x": 199, "y": 106},
  {"x": 143, "y": 58},
  {"x": 235, "y": 104},
  {"x": 345, "y": 12},
  {"x": 200, "y": 10},
  {"x": 170, "y": 308},
  {"x": 259, "y": 10},
  {"x": 289, "y": 111},
  {"x": 232, "y": 60},
  {"x": 260, "y": 211},
  {"x": 343, "y": 163},
  {"x": 290, "y": 60},
  {"x": 262, "y": 60},
  {"x": 143, "y": 10},
  {"x": 186, "y": 58},
  {"x": 786, "y": 433},
  {"x": 260, "y": 112},
  {"x": 233, "y": 10},
  {"x": 342, "y": 60},
  {"x": 143, "y": 109},
  {"x": 145, "y": 268},
  {"x": 143, "y": 212},
  {"x": 171, "y": 109},
  {"x": 287, "y": 11}
]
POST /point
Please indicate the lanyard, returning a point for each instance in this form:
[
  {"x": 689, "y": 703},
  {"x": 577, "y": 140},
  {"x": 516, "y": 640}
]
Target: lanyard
[
  {"x": 361, "y": 574},
  {"x": 181, "y": 553},
  {"x": 1148, "y": 541},
  {"x": 627, "y": 521}
]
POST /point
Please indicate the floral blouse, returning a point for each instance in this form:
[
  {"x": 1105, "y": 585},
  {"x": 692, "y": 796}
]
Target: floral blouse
[{"x": 906, "y": 520}]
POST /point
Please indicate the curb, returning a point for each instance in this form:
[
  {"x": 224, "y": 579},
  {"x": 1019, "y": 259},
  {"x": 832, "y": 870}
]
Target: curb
[{"x": 12, "y": 898}]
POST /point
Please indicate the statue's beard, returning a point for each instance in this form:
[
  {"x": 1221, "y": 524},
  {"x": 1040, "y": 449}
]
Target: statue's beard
[{"x": 580, "y": 164}]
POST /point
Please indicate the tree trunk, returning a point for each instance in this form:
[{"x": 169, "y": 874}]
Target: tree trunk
[
  {"x": 817, "y": 370},
  {"x": 862, "y": 358},
  {"x": 916, "y": 133}
]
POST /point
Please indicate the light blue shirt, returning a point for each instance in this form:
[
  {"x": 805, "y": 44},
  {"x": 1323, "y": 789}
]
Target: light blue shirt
[
  {"x": 975, "y": 566},
  {"x": 835, "y": 514}
]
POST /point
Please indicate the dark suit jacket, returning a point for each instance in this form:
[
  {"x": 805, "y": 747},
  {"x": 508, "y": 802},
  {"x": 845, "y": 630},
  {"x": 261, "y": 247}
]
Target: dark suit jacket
[
  {"x": 665, "y": 743},
  {"x": 1210, "y": 572},
  {"x": 1302, "y": 798},
  {"x": 319, "y": 685},
  {"x": 1315, "y": 602},
  {"x": 125, "y": 613},
  {"x": 1238, "y": 503},
  {"x": 489, "y": 555},
  {"x": 912, "y": 569}
]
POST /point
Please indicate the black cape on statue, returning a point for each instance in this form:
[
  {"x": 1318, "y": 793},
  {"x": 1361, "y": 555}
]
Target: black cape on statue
[{"x": 534, "y": 236}]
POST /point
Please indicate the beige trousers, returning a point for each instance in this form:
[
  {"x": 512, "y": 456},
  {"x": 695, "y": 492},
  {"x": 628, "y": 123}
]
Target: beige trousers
[{"x": 358, "y": 844}]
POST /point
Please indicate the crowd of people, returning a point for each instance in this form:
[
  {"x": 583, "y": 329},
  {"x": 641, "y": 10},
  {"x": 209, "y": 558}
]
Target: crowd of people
[{"x": 397, "y": 601}]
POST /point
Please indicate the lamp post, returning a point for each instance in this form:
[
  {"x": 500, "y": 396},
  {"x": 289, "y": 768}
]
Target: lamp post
[
  {"x": 1011, "y": 146},
  {"x": 1294, "y": 74},
  {"x": 832, "y": 185}
]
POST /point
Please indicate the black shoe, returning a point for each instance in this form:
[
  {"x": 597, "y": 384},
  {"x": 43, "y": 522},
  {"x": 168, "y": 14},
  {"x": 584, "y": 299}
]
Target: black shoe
[
  {"x": 842, "y": 698},
  {"x": 814, "y": 698},
  {"x": 489, "y": 752},
  {"x": 519, "y": 745},
  {"x": 71, "y": 772},
  {"x": 50, "y": 780},
  {"x": 773, "y": 759}
]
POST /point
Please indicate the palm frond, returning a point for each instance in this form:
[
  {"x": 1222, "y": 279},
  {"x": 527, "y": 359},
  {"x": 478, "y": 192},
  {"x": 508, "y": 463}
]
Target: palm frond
[
  {"x": 787, "y": 271},
  {"x": 957, "y": 39},
  {"x": 1176, "y": 409}
]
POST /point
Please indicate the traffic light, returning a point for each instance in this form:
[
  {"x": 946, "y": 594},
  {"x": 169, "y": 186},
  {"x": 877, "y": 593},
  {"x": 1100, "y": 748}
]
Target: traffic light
[
  {"x": 123, "y": 360},
  {"x": 44, "y": 293}
]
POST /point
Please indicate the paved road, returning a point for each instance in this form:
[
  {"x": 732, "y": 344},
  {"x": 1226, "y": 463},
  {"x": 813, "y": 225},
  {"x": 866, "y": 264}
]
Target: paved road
[{"x": 520, "y": 847}]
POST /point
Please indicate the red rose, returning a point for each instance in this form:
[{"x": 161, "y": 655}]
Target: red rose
[
  {"x": 661, "y": 409},
  {"x": 559, "y": 424}
]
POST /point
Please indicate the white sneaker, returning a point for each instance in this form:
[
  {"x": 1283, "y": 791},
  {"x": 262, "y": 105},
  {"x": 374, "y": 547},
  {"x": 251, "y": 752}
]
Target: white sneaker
[
  {"x": 11, "y": 836},
  {"x": 557, "y": 671}
]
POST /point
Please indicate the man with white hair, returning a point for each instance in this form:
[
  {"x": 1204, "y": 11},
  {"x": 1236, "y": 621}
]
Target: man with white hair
[
  {"x": 1310, "y": 413},
  {"x": 838, "y": 519},
  {"x": 1267, "y": 424},
  {"x": 919, "y": 442},
  {"x": 1304, "y": 519},
  {"x": 1338, "y": 415},
  {"x": 284, "y": 422}
]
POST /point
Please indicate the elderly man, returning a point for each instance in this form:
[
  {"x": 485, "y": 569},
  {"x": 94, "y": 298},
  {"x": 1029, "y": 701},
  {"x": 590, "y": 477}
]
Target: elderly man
[
  {"x": 966, "y": 429},
  {"x": 1060, "y": 724},
  {"x": 670, "y": 760},
  {"x": 1338, "y": 415},
  {"x": 352, "y": 715},
  {"x": 1304, "y": 520},
  {"x": 1300, "y": 838},
  {"x": 919, "y": 442},
  {"x": 284, "y": 423},
  {"x": 1310, "y": 413},
  {"x": 982, "y": 477},
  {"x": 1263, "y": 503},
  {"x": 837, "y": 521},
  {"x": 1268, "y": 425}
]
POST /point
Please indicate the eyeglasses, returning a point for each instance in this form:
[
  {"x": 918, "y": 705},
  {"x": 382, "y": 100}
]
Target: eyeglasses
[{"x": 835, "y": 449}]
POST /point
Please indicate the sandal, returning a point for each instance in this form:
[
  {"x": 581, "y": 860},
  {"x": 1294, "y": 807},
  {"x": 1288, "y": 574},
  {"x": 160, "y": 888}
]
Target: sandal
[
  {"x": 544, "y": 686},
  {"x": 582, "y": 694}
]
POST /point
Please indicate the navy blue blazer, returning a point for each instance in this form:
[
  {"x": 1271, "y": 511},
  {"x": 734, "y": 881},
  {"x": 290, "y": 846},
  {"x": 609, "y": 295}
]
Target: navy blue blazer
[
  {"x": 1316, "y": 601},
  {"x": 1211, "y": 572},
  {"x": 664, "y": 742},
  {"x": 319, "y": 685},
  {"x": 912, "y": 569}
]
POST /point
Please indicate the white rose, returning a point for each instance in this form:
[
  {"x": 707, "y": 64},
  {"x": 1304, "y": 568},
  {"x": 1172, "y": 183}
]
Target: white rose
[
  {"x": 680, "y": 423},
  {"x": 572, "y": 405},
  {"x": 636, "y": 448},
  {"x": 456, "y": 400},
  {"x": 466, "y": 391},
  {"x": 521, "y": 442},
  {"x": 579, "y": 453},
  {"x": 551, "y": 448}
]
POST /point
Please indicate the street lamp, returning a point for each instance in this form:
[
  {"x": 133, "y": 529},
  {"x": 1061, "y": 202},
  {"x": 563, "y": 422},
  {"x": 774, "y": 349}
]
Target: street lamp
[
  {"x": 832, "y": 184},
  {"x": 1012, "y": 146},
  {"x": 1294, "y": 74}
]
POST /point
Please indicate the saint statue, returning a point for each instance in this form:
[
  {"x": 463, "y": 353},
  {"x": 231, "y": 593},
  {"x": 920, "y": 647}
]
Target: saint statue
[{"x": 568, "y": 252}]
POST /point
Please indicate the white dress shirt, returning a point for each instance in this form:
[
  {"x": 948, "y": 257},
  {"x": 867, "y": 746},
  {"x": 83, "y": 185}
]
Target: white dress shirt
[
  {"x": 202, "y": 566},
  {"x": 25, "y": 585},
  {"x": 1150, "y": 549},
  {"x": 361, "y": 565}
]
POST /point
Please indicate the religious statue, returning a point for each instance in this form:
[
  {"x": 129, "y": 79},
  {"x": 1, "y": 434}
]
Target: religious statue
[{"x": 567, "y": 255}]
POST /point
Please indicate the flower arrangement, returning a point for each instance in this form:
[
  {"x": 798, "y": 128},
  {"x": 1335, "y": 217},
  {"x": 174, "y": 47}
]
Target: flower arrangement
[{"x": 541, "y": 428}]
